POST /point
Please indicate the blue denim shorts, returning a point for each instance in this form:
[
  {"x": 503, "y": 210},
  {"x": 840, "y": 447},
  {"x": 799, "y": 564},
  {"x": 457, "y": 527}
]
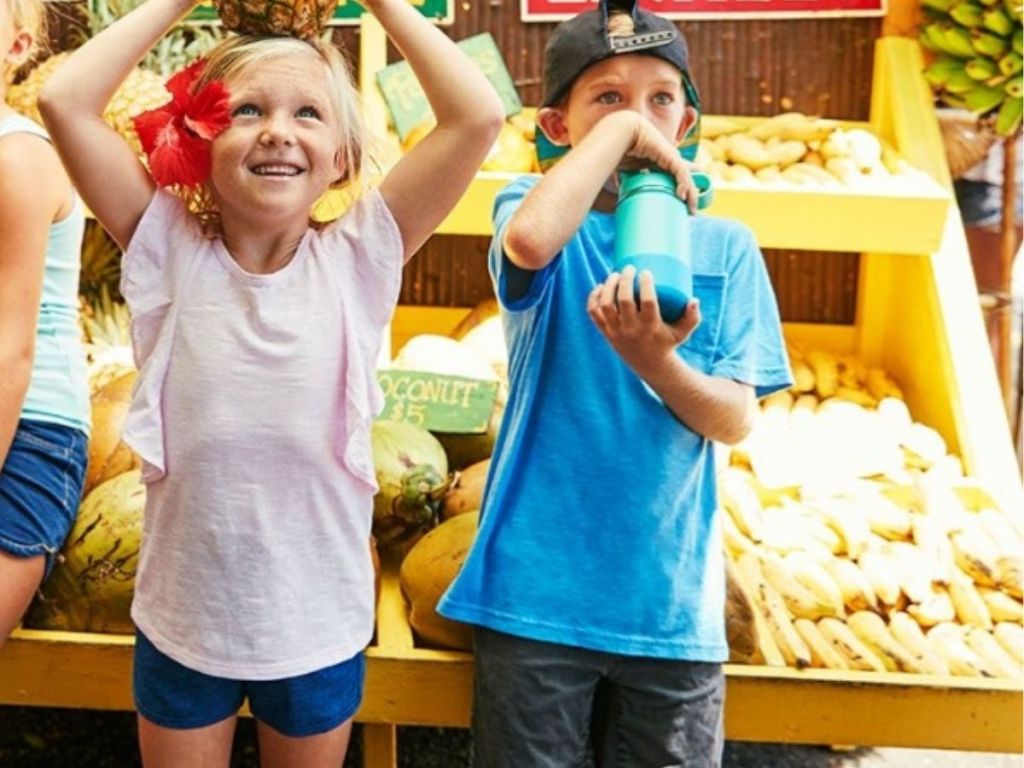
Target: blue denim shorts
[
  {"x": 174, "y": 696},
  {"x": 40, "y": 485}
]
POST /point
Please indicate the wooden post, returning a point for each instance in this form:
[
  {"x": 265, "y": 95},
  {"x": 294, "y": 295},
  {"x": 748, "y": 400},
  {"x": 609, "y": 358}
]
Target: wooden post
[
  {"x": 902, "y": 18},
  {"x": 1007, "y": 250}
]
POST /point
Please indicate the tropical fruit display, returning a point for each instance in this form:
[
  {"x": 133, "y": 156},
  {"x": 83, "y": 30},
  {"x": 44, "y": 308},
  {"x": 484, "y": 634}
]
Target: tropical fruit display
[
  {"x": 91, "y": 586},
  {"x": 976, "y": 57},
  {"x": 107, "y": 338},
  {"x": 794, "y": 150},
  {"x": 305, "y": 19},
  {"x": 109, "y": 455},
  {"x": 513, "y": 150}
]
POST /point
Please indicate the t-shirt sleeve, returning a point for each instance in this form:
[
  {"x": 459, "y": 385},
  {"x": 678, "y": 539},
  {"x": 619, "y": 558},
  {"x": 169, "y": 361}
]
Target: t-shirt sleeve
[
  {"x": 154, "y": 264},
  {"x": 370, "y": 249},
  {"x": 751, "y": 348},
  {"x": 517, "y": 289}
]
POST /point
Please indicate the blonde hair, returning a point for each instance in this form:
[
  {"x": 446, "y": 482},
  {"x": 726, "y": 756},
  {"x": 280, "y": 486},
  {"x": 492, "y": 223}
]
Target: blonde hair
[
  {"x": 238, "y": 52},
  {"x": 29, "y": 16}
]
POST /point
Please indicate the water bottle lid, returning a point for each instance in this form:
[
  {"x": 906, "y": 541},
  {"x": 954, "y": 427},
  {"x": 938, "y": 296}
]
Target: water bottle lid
[{"x": 631, "y": 182}]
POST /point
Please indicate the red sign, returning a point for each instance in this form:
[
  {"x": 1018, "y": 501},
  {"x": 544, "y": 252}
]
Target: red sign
[{"x": 556, "y": 10}]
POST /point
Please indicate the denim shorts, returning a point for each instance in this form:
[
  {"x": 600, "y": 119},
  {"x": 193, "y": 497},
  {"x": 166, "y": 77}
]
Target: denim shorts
[
  {"x": 40, "y": 485},
  {"x": 544, "y": 705},
  {"x": 174, "y": 696}
]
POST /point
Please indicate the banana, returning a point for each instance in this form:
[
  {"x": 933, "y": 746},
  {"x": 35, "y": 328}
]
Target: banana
[
  {"x": 996, "y": 20},
  {"x": 770, "y": 175},
  {"x": 881, "y": 575},
  {"x": 885, "y": 518},
  {"x": 948, "y": 643},
  {"x": 803, "y": 376},
  {"x": 954, "y": 40},
  {"x": 998, "y": 527},
  {"x": 737, "y": 173},
  {"x": 995, "y": 657},
  {"x": 788, "y": 643},
  {"x": 1001, "y": 607},
  {"x": 881, "y": 385},
  {"x": 801, "y": 601},
  {"x": 713, "y": 126},
  {"x": 1011, "y": 638},
  {"x": 912, "y": 570},
  {"x": 1015, "y": 88},
  {"x": 871, "y": 629},
  {"x": 852, "y": 371},
  {"x": 970, "y": 609},
  {"x": 967, "y": 14},
  {"x": 846, "y": 170},
  {"x": 933, "y": 541},
  {"x": 773, "y": 126},
  {"x": 786, "y": 153},
  {"x": 847, "y": 520},
  {"x": 986, "y": 43},
  {"x": 826, "y": 372},
  {"x": 939, "y": 501},
  {"x": 741, "y": 502},
  {"x": 976, "y": 555},
  {"x": 799, "y": 177},
  {"x": 908, "y": 633},
  {"x": 735, "y": 542},
  {"x": 823, "y": 654},
  {"x": 853, "y": 584},
  {"x": 1008, "y": 574},
  {"x": 1017, "y": 42},
  {"x": 942, "y": 6},
  {"x": 816, "y": 173},
  {"x": 959, "y": 83},
  {"x": 937, "y": 609},
  {"x": 1008, "y": 118},
  {"x": 852, "y": 649},
  {"x": 812, "y": 574},
  {"x": 746, "y": 150},
  {"x": 983, "y": 98}
]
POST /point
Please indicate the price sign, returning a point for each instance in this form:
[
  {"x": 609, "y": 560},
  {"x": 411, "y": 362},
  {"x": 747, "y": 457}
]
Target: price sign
[{"x": 438, "y": 403}]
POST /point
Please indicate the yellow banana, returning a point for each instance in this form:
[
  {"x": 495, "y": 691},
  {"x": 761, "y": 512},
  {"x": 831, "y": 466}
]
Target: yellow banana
[
  {"x": 823, "y": 653},
  {"x": 937, "y": 609},
  {"x": 871, "y": 629},
  {"x": 812, "y": 574},
  {"x": 999, "y": 528},
  {"x": 853, "y": 584},
  {"x": 976, "y": 555},
  {"x": 932, "y": 539},
  {"x": 996, "y": 659},
  {"x": 737, "y": 173},
  {"x": 1001, "y": 606},
  {"x": 912, "y": 569},
  {"x": 847, "y": 520},
  {"x": 786, "y": 153},
  {"x": 735, "y": 541},
  {"x": 947, "y": 640},
  {"x": 853, "y": 650},
  {"x": 881, "y": 575},
  {"x": 803, "y": 376},
  {"x": 770, "y": 174},
  {"x": 1008, "y": 573},
  {"x": 741, "y": 501},
  {"x": 746, "y": 150},
  {"x": 773, "y": 608},
  {"x": 908, "y": 633},
  {"x": 826, "y": 372},
  {"x": 1011, "y": 637},
  {"x": 881, "y": 385},
  {"x": 712, "y": 126},
  {"x": 970, "y": 609},
  {"x": 774, "y": 126},
  {"x": 781, "y": 399},
  {"x": 817, "y": 173},
  {"x": 801, "y": 602},
  {"x": 923, "y": 446},
  {"x": 884, "y": 517}
]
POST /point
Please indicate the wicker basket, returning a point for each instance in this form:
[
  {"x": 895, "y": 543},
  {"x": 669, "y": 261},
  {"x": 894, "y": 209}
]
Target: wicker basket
[{"x": 967, "y": 138}]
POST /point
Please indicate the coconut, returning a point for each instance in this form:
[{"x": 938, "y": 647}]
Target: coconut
[
  {"x": 464, "y": 449},
  {"x": 466, "y": 490},
  {"x": 427, "y": 571},
  {"x": 430, "y": 353},
  {"x": 412, "y": 472},
  {"x": 109, "y": 456},
  {"x": 91, "y": 586}
]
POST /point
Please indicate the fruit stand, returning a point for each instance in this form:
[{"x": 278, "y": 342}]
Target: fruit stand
[{"x": 916, "y": 316}]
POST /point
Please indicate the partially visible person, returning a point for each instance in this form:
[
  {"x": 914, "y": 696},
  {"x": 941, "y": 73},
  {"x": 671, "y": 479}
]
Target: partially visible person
[{"x": 44, "y": 400}]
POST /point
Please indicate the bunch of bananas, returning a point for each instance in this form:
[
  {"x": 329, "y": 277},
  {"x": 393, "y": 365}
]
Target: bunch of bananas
[{"x": 978, "y": 62}]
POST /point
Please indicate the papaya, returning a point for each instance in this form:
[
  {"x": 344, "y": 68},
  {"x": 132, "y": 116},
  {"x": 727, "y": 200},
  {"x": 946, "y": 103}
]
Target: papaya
[{"x": 466, "y": 490}]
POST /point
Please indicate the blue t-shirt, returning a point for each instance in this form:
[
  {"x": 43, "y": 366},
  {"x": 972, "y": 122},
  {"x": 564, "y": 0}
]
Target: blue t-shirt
[{"x": 599, "y": 524}]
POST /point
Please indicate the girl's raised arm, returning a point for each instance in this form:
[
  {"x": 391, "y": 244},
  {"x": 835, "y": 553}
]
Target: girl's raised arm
[
  {"x": 104, "y": 168},
  {"x": 425, "y": 184}
]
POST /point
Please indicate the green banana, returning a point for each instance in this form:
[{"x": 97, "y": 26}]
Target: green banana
[
  {"x": 952, "y": 100},
  {"x": 942, "y": 6},
  {"x": 988, "y": 44},
  {"x": 1009, "y": 116},
  {"x": 1011, "y": 64},
  {"x": 926, "y": 42},
  {"x": 956, "y": 41},
  {"x": 939, "y": 71},
  {"x": 981, "y": 69},
  {"x": 959, "y": 82},
  {"x": 997, "y": 82},
  {"x": 996, "y": 20},
  {"x": 1015, "y": 87},
  {"x": 967, "y": 14},
  {"x": 1018, "y": 40},
  {"x": 982, "y": 99},
  {"x": 1014, "y": 8}
]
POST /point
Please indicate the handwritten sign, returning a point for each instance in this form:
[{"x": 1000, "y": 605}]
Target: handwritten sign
[
  {"x": 347, "y": 12},
  {"x": 438, "y": 403},
  {"x": 407, "y": 102},
  {"x": 555, "y": 10}
]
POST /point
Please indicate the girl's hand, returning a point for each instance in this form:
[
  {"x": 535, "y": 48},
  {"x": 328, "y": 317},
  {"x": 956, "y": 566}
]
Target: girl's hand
[
  {"x": 649, "y": 147},
  {"x": 637, "y": 332}
]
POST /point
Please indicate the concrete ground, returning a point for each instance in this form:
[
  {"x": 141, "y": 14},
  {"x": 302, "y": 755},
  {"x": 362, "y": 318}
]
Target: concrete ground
[{"x": 55, "y": 738}]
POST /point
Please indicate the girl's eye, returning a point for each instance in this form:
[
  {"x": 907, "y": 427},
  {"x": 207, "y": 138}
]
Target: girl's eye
[
  {"x": 312, "y": 112},
  {"x": 246, "y": 110},
  {"x": 608, "y": 97}
]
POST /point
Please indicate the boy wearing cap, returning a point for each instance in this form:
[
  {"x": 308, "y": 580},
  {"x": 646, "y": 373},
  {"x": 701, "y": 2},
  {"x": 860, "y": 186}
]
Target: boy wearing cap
[{"x": 598, "y": 564}]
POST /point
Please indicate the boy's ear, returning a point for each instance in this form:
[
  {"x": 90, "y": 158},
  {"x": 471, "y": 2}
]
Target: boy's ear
[
  {"x": 551, "y": 120},
  {"x": 689, "y": 118},
  {"x": 21, "y": 47}
]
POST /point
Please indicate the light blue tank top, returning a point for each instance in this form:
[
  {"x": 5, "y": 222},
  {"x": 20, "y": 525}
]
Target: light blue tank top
[{"x": 58, "y": 391}]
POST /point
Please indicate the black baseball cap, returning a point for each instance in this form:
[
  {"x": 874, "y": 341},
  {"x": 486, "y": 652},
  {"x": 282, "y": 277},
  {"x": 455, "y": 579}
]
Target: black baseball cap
[{"x": 583, "y": 40}]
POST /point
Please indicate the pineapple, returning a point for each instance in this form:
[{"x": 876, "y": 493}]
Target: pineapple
[
  {"x": 108, "y": 346},
  {"x": 304, "y": 19},
  {"x": 101, "y": 264}
]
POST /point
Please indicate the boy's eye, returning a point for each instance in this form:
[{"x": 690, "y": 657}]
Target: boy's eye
[
  {"x": 664, "y": 98},
  {"x": 608, "y": 97},
  {"x": 246, "y": 110},
  {"x": 312, "y": 112}
]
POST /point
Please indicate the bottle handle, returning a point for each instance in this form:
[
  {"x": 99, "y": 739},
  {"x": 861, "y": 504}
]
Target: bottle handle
[{"x": 705, "y": 192}]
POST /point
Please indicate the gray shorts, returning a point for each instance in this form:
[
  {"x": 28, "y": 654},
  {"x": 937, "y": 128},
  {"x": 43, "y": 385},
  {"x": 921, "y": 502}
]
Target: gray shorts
[{"x": 543, "y": 705}]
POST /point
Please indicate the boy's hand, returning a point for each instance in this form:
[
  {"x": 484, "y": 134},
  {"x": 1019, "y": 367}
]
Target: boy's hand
[
  {"x": 651, "y": 147},
  {"x": 638, "y": 333}
]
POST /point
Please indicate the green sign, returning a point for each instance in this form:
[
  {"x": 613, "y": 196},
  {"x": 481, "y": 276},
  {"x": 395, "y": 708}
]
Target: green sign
[
  {"x": 437, "y": 403},
  {"x": 347, "y": 12},
  {"x": 407, "y": 102}
]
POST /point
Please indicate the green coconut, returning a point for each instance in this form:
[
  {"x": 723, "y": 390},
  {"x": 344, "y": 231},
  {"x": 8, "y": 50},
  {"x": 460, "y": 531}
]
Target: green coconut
[
  {"x": 412, "y": 472},
  {"x": 90, "y": 588}
]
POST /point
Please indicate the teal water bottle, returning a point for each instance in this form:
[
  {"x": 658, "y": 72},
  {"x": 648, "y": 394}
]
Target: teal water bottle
[{"x": 652, "y": 232}]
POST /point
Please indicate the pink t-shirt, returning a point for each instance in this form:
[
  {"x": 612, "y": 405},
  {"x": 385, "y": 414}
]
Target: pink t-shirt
[{"x": 252, "y": 415}]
